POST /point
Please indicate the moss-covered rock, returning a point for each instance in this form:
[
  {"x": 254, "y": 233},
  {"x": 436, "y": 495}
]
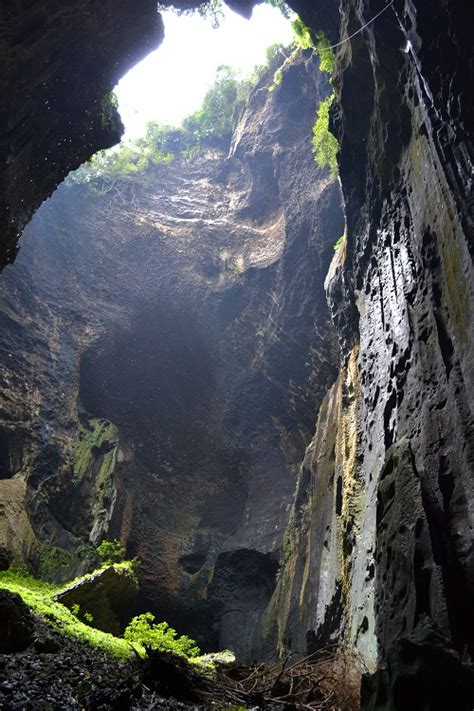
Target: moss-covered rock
[{"x": 105, "y": 599}]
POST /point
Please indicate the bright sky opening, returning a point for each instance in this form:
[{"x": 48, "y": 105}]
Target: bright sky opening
[{"x": 171, "y": 82}]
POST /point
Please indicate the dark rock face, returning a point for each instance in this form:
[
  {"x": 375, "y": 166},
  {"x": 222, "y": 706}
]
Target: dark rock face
[
  {"x": 393, "y": 514},
  {"x": 16, "y": 623},
  {"x": 109, "y": 596},
  {"x": 59, "y": 62},
  {"x": 415, "y": 676},
  {"x": 241, "y": 588},
  {"x": 188, "y": 310}
]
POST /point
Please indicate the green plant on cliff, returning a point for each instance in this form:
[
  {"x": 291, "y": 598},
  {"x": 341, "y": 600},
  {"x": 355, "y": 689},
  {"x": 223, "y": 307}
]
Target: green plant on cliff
[
  {"x": 159, "y": 635},
  {"x": 211, "y": 126},
  {"x": 327, "y": 58},
  {"x": 212, "y": 10},
  {"x": 324, "y": 144},
  {"x": 108, "y": 116},
  {"x": 213, "y": 123},
  {"x": 302, "y": 34},
  {"x": 281, "y": 5},
  {"x": 339, "y": 243},
  {"x": 111, "y": 551}
]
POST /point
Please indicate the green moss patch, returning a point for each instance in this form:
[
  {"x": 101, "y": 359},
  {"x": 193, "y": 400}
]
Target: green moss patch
[{"x": 39, "y": 596}]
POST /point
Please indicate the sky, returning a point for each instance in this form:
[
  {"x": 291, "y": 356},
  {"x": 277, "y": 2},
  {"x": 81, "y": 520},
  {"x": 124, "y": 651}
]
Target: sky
[{"x": 171, "y": 82}]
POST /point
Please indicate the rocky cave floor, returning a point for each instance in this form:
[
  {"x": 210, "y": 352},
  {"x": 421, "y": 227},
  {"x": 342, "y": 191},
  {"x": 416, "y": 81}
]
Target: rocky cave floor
[
  {"x": 56, "y": 672},
  {"x": 59, "y": 672}
]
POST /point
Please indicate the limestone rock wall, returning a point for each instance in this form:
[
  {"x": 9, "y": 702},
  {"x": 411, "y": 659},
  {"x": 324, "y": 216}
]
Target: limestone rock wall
[
  {"x": 173, "y": 343},
  {"x": 383, "y": 530}
]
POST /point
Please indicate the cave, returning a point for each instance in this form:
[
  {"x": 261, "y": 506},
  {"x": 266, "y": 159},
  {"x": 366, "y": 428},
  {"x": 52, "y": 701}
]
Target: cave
[{"x": 243, "y": 362}]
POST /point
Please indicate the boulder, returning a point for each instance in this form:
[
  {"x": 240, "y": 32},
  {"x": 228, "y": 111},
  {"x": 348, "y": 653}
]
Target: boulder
[
  {"x": 109, "y": 596},
  {"x": 16, "y": 623}
]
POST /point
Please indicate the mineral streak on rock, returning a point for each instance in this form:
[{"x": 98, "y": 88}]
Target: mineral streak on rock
[{"x": 188, "y": 309}]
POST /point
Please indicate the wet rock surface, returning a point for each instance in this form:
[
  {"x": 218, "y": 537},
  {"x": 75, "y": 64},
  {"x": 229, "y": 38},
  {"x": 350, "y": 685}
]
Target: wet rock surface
[
  {"x": 399, "y": 546},
  {"x": 416, "y": 675}
]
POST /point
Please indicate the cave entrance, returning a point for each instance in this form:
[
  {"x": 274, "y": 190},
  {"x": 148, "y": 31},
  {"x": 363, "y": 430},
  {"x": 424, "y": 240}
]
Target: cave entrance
[{"x": 170, "y": 84}]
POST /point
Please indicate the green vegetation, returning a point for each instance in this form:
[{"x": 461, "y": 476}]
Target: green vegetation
[
  {"x": 54, "y": 561},
  {"x": 282, "y": 6},
  {"x": 327, "y": 58},
  {"x": 142, "y": 632},
  {"x": 209, "y": 127},
  {"x": 324, "y": 144},
  {"x": 302, "y": 38},
  {"x": 145, "y": 631},
  {"x": 111, "y": 552},
  {"x": 39, "y": 595},
  {"x": 339, "y": 243},
  {"x": 108, "y": 116},
  {"x": 213, "y": 123},
  {"x": 56, "y": 565},
  {"x": 85, "y": 616},
  {"x": 212, "y": 10}
]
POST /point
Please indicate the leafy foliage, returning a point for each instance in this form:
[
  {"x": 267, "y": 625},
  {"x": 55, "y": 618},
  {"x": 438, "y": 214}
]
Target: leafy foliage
[
  {"x": 339, "y": 243},
  {"x": 324, "y": 144},
  {"x": 327, "y": 58},
  {"x": 302, "y": 38},
  {"x": 211, "y": 10},
  {"x": 111, "y": 551},
  {"x": 143, "y": 630},
  {"x": 213, "y": 123},
  {"x": 109, "y": 108},
  {"x": 209, "y": 127}
]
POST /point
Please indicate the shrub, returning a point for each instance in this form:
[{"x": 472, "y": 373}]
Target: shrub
[
  {"x": 324, "y": 144},
  {"x": 302, "y": 37},
  {"x": 327, "y": 58},
  {"x": 143, "y": 630},
  {"x": 111, "y": 551}
]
